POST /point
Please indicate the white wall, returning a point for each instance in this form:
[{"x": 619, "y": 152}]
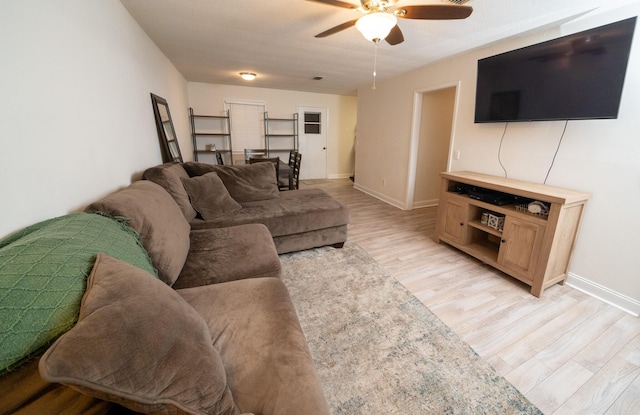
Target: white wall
[
  {"x": 598, "y": 156},
  {"x": 208, "y": 99},
  {"x": 75, "y": 106}
]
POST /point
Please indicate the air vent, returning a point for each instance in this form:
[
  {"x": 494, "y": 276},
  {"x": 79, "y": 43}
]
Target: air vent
[{"x": 457, "y": 1}]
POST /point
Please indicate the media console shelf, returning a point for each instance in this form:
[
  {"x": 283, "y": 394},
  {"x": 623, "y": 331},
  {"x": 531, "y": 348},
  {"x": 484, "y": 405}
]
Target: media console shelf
[{"x": 534, "y": 248}]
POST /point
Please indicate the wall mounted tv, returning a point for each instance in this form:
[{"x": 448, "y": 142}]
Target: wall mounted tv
[{"x": 575, "y": 77}]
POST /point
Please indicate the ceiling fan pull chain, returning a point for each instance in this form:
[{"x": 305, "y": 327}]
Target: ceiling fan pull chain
[{"x": 375, "y": 62}]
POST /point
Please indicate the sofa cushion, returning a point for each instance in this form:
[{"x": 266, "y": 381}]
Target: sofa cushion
[
  {"x": 245, "y": 182},
  {"x": 209, "y": 197},
  {"x": 139, "y": 344},
  {"x": 227, "y": 254},
  {"x": 294, "y": 212},
  {"x": 168, "y": 176},
  {"x": 152, "y": 212},
  {"x": 255, "y": 329},
  {"x": 43, "y": 269}
]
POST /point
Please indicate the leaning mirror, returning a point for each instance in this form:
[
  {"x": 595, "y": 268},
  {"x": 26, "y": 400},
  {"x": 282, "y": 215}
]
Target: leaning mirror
[{"x": 166, "y": 133}]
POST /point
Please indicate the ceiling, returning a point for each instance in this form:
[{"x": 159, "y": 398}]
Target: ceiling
[{"x": 213, "y": 40}]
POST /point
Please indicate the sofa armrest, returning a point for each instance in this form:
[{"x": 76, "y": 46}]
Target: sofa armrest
[{"x": 228, "y": 254}]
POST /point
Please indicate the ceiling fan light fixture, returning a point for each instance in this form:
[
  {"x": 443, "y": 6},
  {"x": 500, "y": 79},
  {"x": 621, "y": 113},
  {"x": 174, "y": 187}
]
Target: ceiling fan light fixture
[
  {"x": 248, "y": 76},
  {"x": 376, "y": 26}
]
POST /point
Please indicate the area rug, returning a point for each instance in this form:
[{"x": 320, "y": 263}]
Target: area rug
[{"x": 379, "y": 350}]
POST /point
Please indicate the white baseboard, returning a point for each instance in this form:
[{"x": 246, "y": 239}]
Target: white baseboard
[
  {"x": 377, "y": 195},
  {"x": 425, "y": 203},
  {"x": 624, "y": 303},
  {"x": 339, "y": 176}
]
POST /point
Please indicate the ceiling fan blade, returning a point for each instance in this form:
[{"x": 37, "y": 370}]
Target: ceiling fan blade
[
  {"x": 433, "y": 12},
  {"x": 338, "y": 28},
  {"x": 336, "y": 3},
  {"x": 395, "y": 36}
]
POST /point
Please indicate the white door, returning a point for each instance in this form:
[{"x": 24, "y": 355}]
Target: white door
[
  {"x": 247, "y": 126},
  {"x": 313, "y": 142}
]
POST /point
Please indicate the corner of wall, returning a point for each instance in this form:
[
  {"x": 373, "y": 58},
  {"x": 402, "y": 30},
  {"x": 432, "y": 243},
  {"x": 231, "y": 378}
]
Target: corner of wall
[
  {"x": 624, "y": 303},
  {"x": 380, "y": 196}
]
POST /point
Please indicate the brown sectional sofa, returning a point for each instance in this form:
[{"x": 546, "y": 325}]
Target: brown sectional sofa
[
  {"x": 185, "y": 315},
  {"x": 297, "y": 219}
]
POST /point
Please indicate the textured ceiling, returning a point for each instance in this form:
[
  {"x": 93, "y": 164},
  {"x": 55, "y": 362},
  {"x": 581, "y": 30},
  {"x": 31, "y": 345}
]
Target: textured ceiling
[{"x": 213, "y": 40}]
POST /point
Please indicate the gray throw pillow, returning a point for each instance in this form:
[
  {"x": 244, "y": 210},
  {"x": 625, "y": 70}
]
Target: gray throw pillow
[
  {"x": 209, "y": 197},
  {"x": 141, "y": 345}
]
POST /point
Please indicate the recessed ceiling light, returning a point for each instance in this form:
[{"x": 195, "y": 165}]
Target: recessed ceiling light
[{"x": 248, "y": 76}]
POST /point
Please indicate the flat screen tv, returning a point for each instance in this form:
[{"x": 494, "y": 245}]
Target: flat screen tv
[{"x": 574, "y": 77}]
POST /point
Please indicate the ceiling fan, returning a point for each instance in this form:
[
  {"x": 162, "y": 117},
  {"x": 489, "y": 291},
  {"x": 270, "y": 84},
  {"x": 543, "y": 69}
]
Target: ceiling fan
[{"x": 380, "y": 18}]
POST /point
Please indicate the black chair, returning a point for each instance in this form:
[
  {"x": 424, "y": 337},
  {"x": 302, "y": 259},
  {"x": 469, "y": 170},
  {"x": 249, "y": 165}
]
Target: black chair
[
  {"x": 283, "y": 183},
  {"x": 295, "y": 177},
  {"x": 274, "y": 160},
  {"x": 292, "y": 157},
  {"x": 292, "y": 180},
  {"x": 219, "y": 159}
]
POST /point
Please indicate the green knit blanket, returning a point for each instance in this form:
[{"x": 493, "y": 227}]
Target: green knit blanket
[{"x": 43, "y": 272}]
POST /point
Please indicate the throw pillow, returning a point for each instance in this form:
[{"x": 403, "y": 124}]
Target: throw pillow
[
  {"x": 168, "y": 176},
  {"x": 209, "y": 197},
  {"x": 245, "y": 182},
  {"x": 139, "y": 344},
  {"x": 152, "y": 212}
]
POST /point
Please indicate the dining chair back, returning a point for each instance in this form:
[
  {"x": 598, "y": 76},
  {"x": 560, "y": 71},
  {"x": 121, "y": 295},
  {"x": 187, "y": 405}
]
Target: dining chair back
[
  {"x": 294, "y": 181},
  {"x": 291, "y": 180}
]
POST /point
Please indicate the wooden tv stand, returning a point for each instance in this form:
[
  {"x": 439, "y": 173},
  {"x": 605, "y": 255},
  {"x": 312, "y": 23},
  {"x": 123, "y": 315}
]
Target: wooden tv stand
[{"x": 533, "y": 248}]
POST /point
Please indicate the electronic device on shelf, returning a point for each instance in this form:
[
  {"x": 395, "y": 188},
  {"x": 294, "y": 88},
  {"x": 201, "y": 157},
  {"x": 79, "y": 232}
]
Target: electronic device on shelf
[
  {"x": 489, "y": 196},
  {"x": 495, "y": 198}
]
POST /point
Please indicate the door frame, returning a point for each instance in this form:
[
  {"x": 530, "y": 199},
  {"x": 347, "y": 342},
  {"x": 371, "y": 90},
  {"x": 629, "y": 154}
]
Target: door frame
[{"x": 416, "y": 124}]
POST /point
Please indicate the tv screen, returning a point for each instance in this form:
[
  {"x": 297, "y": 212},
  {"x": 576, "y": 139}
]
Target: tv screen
[{"x": 575, "y": 77}]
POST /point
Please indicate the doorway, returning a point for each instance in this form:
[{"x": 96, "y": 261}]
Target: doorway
[
  {"x": 431, "y": 143},
  {"x": 313, "y": 142}
]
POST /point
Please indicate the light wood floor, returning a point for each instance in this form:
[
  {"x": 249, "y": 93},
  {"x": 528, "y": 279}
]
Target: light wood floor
[{"x": 567, "y": 352}]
